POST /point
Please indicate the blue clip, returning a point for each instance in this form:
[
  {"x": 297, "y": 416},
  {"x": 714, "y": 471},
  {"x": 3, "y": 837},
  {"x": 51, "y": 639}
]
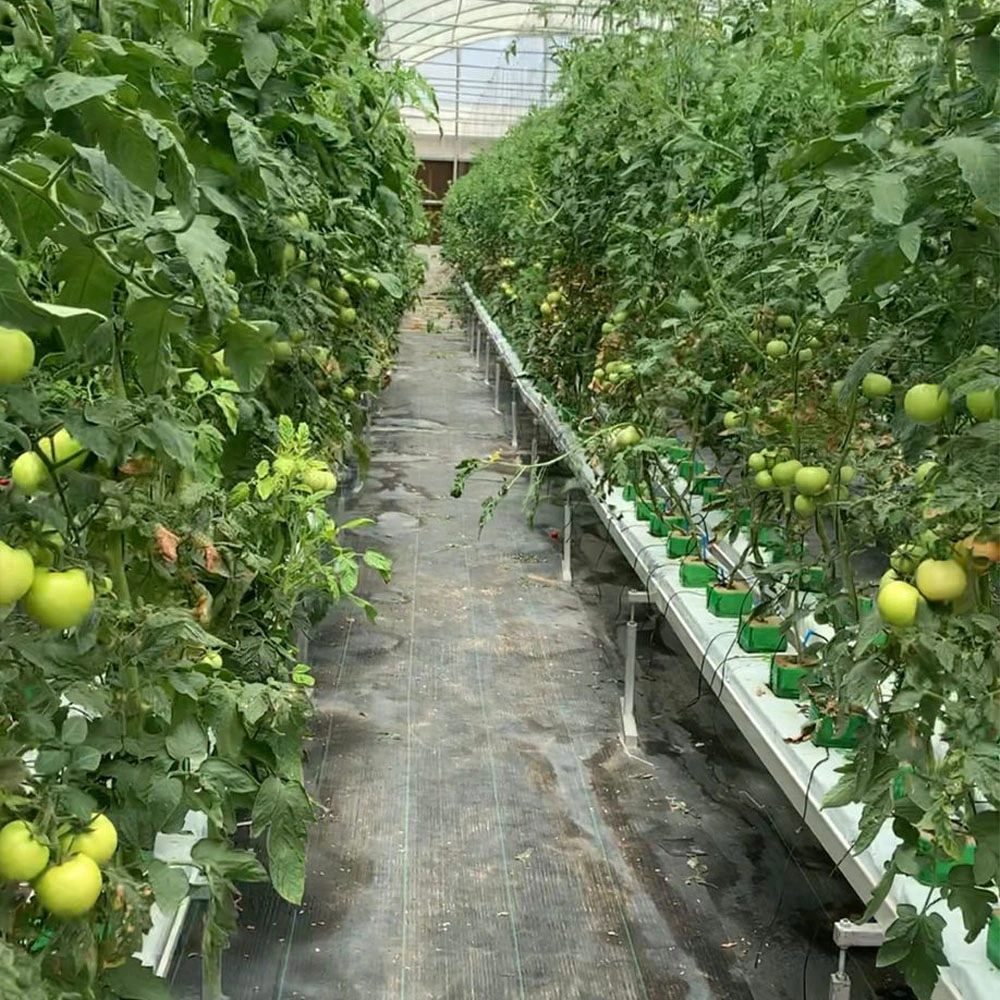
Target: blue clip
[
  {"x": 704, "y": 547},
  {"x": 807, "y": 636}
]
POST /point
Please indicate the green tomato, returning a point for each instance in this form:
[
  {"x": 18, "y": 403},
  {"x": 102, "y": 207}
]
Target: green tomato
[
  {"x": 70, "y": 889},
  {"x": 805, "y": 354},
  {"x": 757, "y": 462},
  {"x": 17, "y": 355},
  {"x": 764, "y": 480},
  {"x": 805, "y": 506},
  {"x": 923, "y": 470},
  {"x": 607, "y": 328},
  {"x": 59, "y": 600},
  {"x": 776, "y": 348},
  {"x": 941, "y": 579},
  {"x": 784, "y": 322},
  {"x": 349, "y": 393},
  {"x": 898, "y": 602},
  {"x": 341, "y": 296},
  {"x": 282, "y": 351},
  {"x": 314, "y": 284},
  {"x": 732, "y": 419},
  {"x": 23, "y": 857},
  {"x": 906, "y": 558},
  {"x": 320, "y": 480},
  {"x": 17, "y": 572},
  {"x": 98, "y": 841},
  {"x": 983, "y": 404},
  {"x": 373, "y": 285},
  {"x": 784, "y": 472},
  {"x": 811, "y": 480},
  {"x": 29, "y": 473},
  {"x": 846, "y": 474},
  {"x": 835, "y": 391},
  {"x": 348, "y": 316},
  {"x": 875, "y": 386},
  {"x": 925, "y": 403}
]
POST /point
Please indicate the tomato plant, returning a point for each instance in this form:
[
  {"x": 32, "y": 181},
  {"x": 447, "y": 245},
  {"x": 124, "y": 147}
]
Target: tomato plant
[
  {"x": 785, "y": 219},
  {"x": 207, "y": 213}
]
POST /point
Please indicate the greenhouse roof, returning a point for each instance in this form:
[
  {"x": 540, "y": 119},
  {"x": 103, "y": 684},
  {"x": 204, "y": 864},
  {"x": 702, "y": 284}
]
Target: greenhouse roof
[{"x": 488, "y": 62}]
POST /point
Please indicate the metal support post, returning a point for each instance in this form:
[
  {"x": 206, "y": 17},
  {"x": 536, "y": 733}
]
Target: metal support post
[
  {"x": 486, "y": 367},
  {"x": 479, "y": 337},
  {"x": 496, "y": 391},
  {"x": 513, "y": 417},
  {"x": 534, "y": 447},
  {"x": 848, "y": 934},
  {"x": 567, "y": 558},
  {"x": 472, "y": 333},
  {"x": 630, "y": 731}
]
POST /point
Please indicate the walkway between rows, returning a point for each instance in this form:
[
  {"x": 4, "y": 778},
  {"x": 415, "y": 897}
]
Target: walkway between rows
[{"x": 487, "y": 835}]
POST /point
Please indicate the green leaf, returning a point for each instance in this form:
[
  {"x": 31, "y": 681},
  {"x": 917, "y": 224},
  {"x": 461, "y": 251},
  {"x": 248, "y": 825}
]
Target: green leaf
[
  {"x": 65, "y": 90},
  {"x": 286, "y": 857},
  {"x": 260, "y": 55},
  {"x": 984, "y": 57},
  {"x": 126, "y": 145},
  {"x": 187, "y": 740},
  {"x": 85, "y": 759},
  {"x": 16, "y": 309},
  {"x": 131, "y": 202},
  {"x": 908, "y": 239},
  {"x": 228, "y": 776},
  {"x": 249, "y": 146},
  {"x": 218, "y": 857},
  {"x": 133, "y": 981},
  {"x": 187, "y": 49},
  {"x": 28, "y": 216},
  {"x": 248, "y": 351},
  {"x": 977, "y": 159},
  {"x": 889, "y": 198},
  {"x": 390, "y": 283},
  {"x": 834, "y": 286},
  {"x": 205, "y": 251},
  {"x": 74, "y": 730},
  {"x": 88, "y": 281},
  {"x": 169, "y": 884},
  {"x": 152, "y": 324},
  {"x": 377, "y": 561}
]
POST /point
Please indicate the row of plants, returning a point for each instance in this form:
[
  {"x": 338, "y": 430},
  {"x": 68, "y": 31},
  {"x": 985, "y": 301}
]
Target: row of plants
[
  {"x": 767, "y": 238},
  {"x": 207, "y": 212}
]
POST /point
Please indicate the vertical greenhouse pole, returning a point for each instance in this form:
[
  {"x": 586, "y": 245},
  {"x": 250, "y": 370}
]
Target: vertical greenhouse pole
[{"x": 458, "y": 96}]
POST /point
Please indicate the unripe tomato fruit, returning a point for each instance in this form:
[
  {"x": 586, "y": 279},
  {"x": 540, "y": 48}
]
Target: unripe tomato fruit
[
  {"x": 732, "y": 419},
  {"x": 59, "y": 600},
  {"x": 776, "y": 348},
  {"x": 875, "y": 386},
  {"x": 925, "y": 403},
  {"x": 983, "y": 404},
  {"x": 941, "y": 579},
  {"x": 756, "y": 462},
  {"x": 784, "y": 322},
  {"x": 28, "y": 472},
  {"x": 98, "y": 842},
  {"x": 784, "y": 473},
  {"x": 804, "y": 506},
  {"x": 898, "y": 602},
  {"x": 17, "y": 571},
  {"x": 812, "y": 480},
  {"x": 320, "y": 480},
  {"x": 22, "y": 856},
  {"x": 764, "y": 480},
  {"x": 17, "y": 355},
  {"x": 70, "y": 889}
]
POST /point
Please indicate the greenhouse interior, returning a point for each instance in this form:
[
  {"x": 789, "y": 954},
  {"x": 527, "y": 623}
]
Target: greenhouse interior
[{"x": 499, "y": 501}]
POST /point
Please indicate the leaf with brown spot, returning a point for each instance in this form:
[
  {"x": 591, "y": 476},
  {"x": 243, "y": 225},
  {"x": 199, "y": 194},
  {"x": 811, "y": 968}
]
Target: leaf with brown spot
[{"x": 166, "y": 543}]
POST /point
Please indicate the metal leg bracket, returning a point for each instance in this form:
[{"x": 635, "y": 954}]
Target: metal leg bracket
[{"x": 630, "y": 731}]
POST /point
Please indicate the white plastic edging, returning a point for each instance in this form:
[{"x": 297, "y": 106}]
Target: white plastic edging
[{"x": 740, "y": 680}]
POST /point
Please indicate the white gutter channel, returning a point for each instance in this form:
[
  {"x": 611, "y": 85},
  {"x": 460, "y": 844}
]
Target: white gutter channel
[{"x": 740, "y": 680}]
